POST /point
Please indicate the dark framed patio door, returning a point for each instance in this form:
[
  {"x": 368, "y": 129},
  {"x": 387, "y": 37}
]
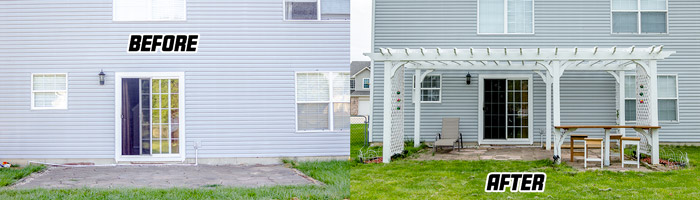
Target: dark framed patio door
[
  {"x": 135, "y": 116},
  {"x": 506, "y": 103},
  {"x": 494, "y": 108}
]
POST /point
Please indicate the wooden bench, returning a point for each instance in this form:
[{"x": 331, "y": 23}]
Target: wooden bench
[
  {"x": 573, "y": 138},
  {"x": 649, "y": 132}
]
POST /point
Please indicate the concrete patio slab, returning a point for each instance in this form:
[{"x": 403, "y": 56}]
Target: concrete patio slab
[
  {"x": 525, "y": 153},
  {"x": 164, "y": 176}
]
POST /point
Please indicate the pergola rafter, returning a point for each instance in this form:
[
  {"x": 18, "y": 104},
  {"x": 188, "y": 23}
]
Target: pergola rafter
[{"x": 549, "y": 63}]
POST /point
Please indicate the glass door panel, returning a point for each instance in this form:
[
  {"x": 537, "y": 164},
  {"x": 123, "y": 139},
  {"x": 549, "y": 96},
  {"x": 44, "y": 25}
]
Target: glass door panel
[
  {"x": 494, "y": 109},
  {"x": 517, "y": 101},
  {"x": 165, "y": 116}
]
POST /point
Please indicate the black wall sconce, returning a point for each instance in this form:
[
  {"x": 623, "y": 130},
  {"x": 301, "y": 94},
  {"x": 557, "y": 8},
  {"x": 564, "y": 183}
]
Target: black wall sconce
[
  {"x": 102, "y": 77},
  {"x": 469, "y": 78}
]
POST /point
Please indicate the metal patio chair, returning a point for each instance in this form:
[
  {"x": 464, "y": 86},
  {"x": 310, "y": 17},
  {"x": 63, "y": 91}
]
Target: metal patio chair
[{"x": 450, "y": 134}]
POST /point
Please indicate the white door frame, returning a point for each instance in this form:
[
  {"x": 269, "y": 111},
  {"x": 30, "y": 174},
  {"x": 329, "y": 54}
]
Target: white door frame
[
  {"x": 480, "y": 109},
  {"x": 118, "y": 121}
]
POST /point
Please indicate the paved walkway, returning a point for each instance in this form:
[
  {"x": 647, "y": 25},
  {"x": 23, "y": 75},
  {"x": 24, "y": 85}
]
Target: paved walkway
[
  {"x": 523, "y": 153},
  {"x": 164, "y": 177}
]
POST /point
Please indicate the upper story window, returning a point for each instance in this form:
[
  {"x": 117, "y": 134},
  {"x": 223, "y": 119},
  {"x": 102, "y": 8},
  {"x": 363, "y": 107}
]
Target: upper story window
[
  {"x": 49, "y": 91},
  {"x": 365, "y": 83},
  {"x": 309, "y": 9},
  {"x": 639, "y": 16},
  {"x": 149, "y": 10},
  {"x": 352, "y": 84},
  {"x": 506, "y": 16}
]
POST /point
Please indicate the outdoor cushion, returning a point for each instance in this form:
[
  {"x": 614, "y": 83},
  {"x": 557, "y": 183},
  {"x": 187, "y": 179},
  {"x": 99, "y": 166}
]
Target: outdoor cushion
[
  {"x": 445, "y": 142},
  {"x": 450, "y": 128}
]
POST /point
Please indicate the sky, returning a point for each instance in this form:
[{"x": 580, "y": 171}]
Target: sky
[{"x": 360, "y": 29}]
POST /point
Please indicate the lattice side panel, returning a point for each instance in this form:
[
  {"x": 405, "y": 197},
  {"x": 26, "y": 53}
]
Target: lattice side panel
[
  {"x": 643, "y": 109},
  {"x": 397, "y": 111}
]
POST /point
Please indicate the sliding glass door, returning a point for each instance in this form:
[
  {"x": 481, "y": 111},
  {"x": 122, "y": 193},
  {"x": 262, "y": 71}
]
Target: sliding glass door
[
  {"x": 150, "y": 116},
  {"x": 505, "y": 109}
]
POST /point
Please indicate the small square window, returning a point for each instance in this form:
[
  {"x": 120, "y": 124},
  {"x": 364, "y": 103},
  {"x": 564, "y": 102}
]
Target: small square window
[
  {"x": 49, "y": 91},
  {"x": 431, "y": 89}
]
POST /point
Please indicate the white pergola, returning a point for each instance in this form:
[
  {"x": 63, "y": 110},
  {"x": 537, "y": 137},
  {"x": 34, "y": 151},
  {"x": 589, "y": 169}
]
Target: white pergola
[{"x": 549, "y": 63}]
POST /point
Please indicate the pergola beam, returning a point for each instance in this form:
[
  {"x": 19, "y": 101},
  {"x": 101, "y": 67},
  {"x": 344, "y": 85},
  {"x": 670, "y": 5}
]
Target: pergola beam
[
  {"x": 559, "y": 54},
  {"x": 513, "y": 66}
]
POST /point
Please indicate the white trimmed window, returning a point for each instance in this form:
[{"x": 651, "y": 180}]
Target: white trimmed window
[
  {"x": 667, "y": 86},
  {"x": 149, "y": 10},
  {"x": 352, "y": 84},
  {"x": 309, "y": 9},
  {"x": 49, "y": 91},
  {"x": 506, "y": 16},
  {"x": 365, "y": 83},
  {"x": 639, "y": 16},
  {"x": 323, "y": 101},
  {"x": 430, "y": 91}
]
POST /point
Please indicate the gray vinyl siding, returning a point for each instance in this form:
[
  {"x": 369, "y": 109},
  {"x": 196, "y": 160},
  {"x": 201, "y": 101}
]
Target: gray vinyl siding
[
  {"x": 240, "y": 85},
  {"x": 586, "y": 97}
]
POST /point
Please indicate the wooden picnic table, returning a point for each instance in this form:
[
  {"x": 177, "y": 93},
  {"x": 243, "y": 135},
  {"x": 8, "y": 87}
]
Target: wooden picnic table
[{"x": 651, "y": 134}]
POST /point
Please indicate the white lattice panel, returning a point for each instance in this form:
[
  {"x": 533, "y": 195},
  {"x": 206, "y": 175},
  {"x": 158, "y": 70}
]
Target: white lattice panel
[
  {"x": 397, "y": 111},
  {"x": 643, "y": 109}
]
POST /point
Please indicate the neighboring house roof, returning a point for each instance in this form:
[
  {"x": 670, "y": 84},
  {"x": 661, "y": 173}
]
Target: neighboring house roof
[
  {"x": 359, "y": 93},
  {"x": 358, "y": 66}
]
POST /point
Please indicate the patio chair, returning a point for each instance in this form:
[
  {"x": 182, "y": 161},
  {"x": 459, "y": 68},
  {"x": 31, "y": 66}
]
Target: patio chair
[
  {"x": 629, "y": 141},
  {"x": 592, "y": 142},
  {"x": 618, "y": 138},
  {"x": 575, "y": 137},
  {"x": 450, "y": 134}
]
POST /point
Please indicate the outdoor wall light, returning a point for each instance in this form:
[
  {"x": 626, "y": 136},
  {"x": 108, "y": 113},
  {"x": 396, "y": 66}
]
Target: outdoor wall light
[
  {"x": 469, "y": 78},
  {"x": 102, "y": 77}
]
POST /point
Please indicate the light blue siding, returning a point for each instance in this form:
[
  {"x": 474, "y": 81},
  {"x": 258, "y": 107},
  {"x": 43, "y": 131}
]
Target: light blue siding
[
  {"x": 239, "y": 86},
  {"x": 587, "y": 97}
]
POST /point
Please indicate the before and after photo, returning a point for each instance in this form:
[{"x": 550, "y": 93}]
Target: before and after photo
[{"x": 349, "y": 99}]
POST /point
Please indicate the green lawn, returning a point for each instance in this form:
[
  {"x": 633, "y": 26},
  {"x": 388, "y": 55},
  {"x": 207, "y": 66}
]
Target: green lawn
[
  {"x": 333, "y": 173},
  {"x": 357, "y": 132},
  {"x": 8, "y": 176},
  {"x": 408, "y": 179}
]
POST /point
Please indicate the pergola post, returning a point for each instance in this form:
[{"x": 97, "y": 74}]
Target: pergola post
[
  {"x": 417, "y": 108},
  {"x": 653, "y": 111},
  {"x": 556, "y": 92},
  {"x": 547, "y": 79},
  {"x": 548, "y": 111},
  {"x": 621, "y": 101},
  {"x": 555, "y": 71},
  {"x": 386, "y": 126}
]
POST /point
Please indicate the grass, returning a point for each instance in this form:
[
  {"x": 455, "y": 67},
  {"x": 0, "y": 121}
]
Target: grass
[
  {"x": 409, "y": 179},
  {"x": 335, "y": 174},
  {"x": 8, "y": 176},
  {"x": 357, "y": 134},
  {"x": 357, "y": 137}
]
